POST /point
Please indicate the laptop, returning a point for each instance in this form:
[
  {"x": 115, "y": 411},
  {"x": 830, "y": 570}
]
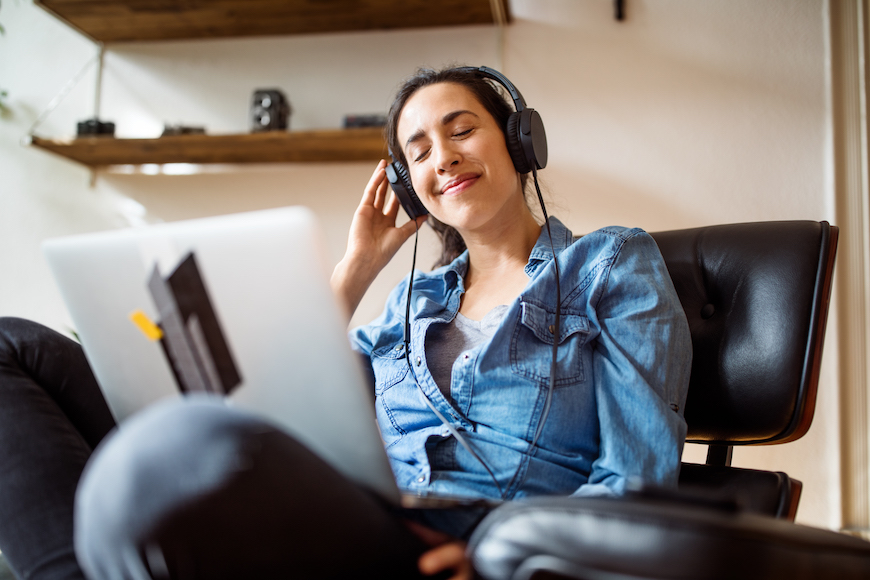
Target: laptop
[{"x": 237, "y": 305}]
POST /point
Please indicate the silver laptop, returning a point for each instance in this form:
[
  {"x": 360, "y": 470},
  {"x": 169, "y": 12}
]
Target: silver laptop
[{"x": 238, "y": 305}]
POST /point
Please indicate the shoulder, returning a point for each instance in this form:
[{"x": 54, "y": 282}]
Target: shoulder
[
  {"x": 605, "y": 246},
  {"x": 611, "y": 236},
  {"x": 613, "y": 257}
]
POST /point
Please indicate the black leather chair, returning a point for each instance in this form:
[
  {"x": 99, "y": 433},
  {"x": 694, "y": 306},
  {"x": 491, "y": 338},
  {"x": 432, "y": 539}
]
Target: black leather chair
[{"x": 756, "y": 296}]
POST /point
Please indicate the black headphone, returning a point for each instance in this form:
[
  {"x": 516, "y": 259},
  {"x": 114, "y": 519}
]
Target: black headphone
[{"x": 526, "y": 143}]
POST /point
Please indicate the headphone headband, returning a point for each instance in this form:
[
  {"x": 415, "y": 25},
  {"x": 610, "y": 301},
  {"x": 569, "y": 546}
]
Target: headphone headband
[{"x": 490, "y": 73}]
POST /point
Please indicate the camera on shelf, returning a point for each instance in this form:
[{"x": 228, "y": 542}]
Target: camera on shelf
[
  {"x": 270, "y": 111},
  {"x": 94, "y": 127}
]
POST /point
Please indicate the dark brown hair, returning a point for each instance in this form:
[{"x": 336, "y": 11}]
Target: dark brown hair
[{"x": 486, "y": 92}]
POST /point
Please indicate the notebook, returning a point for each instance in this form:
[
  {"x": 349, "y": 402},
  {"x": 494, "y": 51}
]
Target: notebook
[{"x": 236, "y": 305}]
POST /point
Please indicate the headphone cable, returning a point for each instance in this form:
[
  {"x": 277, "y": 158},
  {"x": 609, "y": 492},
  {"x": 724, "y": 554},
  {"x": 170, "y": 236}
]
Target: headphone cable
[
  {"x": 556, "y": 323},
  {"x": 556, "y": 335},
  {"x": 407, "y": 340}
]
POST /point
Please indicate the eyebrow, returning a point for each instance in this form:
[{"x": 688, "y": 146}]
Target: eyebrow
[{"x": 444, "y": 121}]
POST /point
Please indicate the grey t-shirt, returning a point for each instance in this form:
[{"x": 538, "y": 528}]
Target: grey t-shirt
[{"x": 446, "y": 342}]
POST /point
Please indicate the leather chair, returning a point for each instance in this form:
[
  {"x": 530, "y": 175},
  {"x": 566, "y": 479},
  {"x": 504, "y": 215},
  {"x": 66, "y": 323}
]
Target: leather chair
[{"x": 756, "y": 297}]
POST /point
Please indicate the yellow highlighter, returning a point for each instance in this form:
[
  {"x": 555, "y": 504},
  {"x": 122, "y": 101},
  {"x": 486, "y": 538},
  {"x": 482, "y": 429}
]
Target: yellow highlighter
[{"x": 148, "y": 328}]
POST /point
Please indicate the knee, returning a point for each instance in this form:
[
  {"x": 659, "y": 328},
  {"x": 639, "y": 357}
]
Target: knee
[
  {"x": 13, "y": 324},
  {"x": 12, "y": 327},
  {"x": 16, "y": 331},
  {"x": 156, "y": 463},
  {"x": 22, "y": 339}
]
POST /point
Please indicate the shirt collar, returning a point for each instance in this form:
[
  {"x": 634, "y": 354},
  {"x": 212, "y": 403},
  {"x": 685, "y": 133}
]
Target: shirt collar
[
  {"x": 454, "y": 272},
  {"x": 542, "y": 252}
]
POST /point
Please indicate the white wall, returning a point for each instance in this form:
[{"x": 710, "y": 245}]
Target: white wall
[{"x": 688, "y": 113}]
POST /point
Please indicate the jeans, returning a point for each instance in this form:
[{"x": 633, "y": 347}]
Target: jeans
[
  {"x": 189, "y": 488},
  {"x": 192, "y": 488},
  {"x": 52, "y": 415}
]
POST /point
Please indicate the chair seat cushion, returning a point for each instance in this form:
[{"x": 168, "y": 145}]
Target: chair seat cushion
[
  {"x": 771, "y": 493},
  {"x": 638, "y": 537}
]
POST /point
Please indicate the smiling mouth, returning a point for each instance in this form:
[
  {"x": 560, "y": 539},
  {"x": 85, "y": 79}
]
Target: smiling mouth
[{"x": 459, "y": 184}]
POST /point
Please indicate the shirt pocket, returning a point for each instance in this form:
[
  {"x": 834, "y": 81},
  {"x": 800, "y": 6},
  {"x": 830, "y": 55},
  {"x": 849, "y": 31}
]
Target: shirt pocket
[
  {"x": 390, "y": 368},
  {"x": 532, "y": 345}
]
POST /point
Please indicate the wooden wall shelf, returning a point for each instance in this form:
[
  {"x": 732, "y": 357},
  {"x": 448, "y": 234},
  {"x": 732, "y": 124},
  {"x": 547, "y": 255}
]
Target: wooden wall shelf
[
  {"x": 268, "y": 147},
  {"x": 136, "y": 20}
]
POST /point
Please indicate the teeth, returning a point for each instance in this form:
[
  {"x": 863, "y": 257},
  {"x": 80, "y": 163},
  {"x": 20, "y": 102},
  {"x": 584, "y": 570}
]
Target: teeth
[{"x": 452, "y": 184}]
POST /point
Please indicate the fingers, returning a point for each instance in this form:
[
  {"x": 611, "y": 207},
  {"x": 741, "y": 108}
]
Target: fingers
[
  {"x": 378, "y": 196},
  {"x": 409, "y": 227},
  {"x": 392, "y": 211},
  {"x": 393, "y": 205},
  {"x": 450, "y": 556},
  {"x": 377, "y": 181},
  {"x": 381, "y": 193}
]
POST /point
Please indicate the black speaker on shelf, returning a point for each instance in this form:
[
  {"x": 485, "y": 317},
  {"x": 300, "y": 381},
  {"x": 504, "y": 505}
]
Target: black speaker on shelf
[{"x": 270, "y": 111}]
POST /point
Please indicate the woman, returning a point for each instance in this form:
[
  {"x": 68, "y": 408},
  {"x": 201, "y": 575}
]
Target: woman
[{"x": 193, "y": 489}]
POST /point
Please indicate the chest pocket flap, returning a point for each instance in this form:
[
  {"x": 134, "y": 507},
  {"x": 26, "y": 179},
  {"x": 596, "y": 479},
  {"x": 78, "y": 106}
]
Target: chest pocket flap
[
  {"x": 543, "y": 323},
  {"x": 532, "y": 347}
]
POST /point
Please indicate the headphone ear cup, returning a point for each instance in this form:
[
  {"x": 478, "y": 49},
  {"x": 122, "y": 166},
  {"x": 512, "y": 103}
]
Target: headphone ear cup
[
  {"x": 400, "y": 181},
  {"x": 515, "y": 145},
  {"x": 533, "y": 138}
]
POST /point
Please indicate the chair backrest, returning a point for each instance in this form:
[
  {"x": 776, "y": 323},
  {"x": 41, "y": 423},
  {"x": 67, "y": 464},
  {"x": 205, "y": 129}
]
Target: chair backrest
[{"x": 756, "y": 297}]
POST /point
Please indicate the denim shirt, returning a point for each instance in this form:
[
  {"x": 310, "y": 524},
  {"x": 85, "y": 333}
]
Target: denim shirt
[{"x": 623, "y": 363}]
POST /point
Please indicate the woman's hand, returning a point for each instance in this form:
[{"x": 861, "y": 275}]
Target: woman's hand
[
  {"x": 450, "y": 556},
  {"x": 448, "y": 553},
  {"x": 374, "y": 238},
  {"x": 372, "y": 241}
]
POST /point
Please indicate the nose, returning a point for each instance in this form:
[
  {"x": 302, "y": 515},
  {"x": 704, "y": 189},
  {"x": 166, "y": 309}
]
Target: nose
[{"x": 446, "y": 156}]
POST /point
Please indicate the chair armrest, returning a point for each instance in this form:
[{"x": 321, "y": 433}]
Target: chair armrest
[{"x": 654, "y": 538}]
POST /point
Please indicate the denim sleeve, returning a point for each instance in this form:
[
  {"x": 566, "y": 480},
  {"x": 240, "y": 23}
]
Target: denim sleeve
[{"x": 641, "y": 363}]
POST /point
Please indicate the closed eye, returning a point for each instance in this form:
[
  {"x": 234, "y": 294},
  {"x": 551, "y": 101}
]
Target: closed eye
[{"x": 458, "y": 135}]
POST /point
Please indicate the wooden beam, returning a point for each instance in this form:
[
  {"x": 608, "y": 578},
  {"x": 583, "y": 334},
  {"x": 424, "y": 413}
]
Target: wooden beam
[{"x": 136, "y": 20}]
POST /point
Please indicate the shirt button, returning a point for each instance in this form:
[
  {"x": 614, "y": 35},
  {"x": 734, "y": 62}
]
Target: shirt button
[
  {"x": 445, "y": 433},
  {"x": 399, "y": 347},
  {"x": 421, "y": 479},
  {"x": 466, "y": 356},
  {"x": 552, "y": 329},
  {"x": 419, "y": 360}
]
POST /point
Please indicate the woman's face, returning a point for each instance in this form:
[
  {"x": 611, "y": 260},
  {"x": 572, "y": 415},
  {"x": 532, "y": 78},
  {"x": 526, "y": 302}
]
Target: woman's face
[{"x": 457, "y": 158}]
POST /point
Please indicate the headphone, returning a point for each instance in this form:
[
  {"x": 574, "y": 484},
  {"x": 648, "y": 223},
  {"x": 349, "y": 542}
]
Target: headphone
[{"x": 525, "y": 137}]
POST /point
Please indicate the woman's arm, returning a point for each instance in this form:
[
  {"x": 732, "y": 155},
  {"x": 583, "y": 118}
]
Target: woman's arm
[
  {"x": 372, "y": 241},
  {"x": 641, "y": 364}
]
